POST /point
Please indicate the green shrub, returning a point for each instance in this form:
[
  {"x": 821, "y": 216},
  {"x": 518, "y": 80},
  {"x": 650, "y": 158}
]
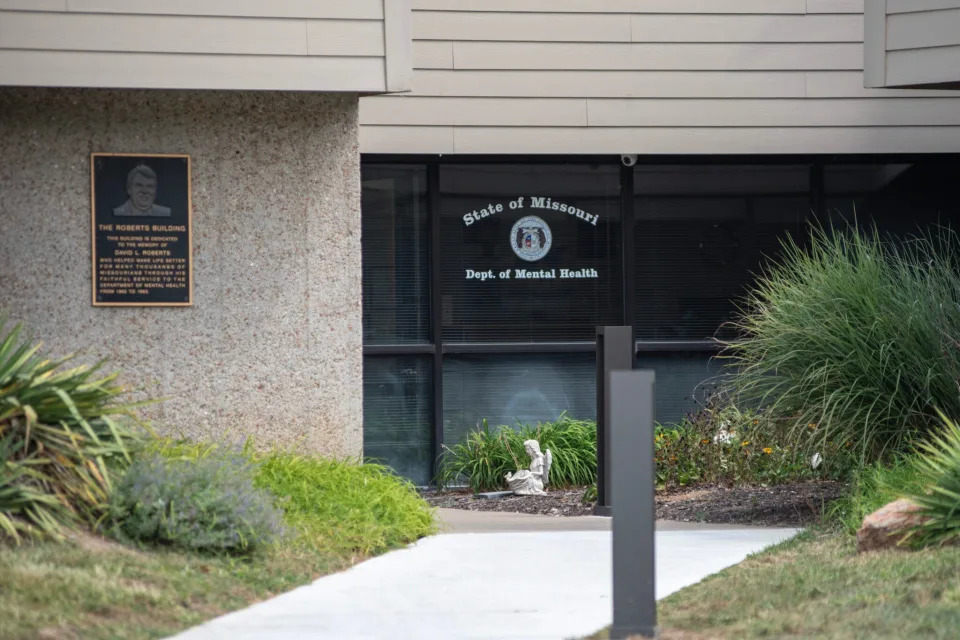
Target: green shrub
[
  {"x": 873, "y": 486},
  {"x": 342, "y": 506},
  {"x": 62, "y": 437},
  {"x": 853, "y": 340},
  {"x": 330, "y": 505},
  {"x": 937, "y": 467},
  {"x": 208, "y": 504},
  {"x": 486, "y": 457},
  {"x": 721, "y": 444}
]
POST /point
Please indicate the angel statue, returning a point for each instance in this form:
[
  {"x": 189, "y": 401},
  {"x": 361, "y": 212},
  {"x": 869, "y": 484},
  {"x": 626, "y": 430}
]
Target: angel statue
[{"x": 532, "y": 482}]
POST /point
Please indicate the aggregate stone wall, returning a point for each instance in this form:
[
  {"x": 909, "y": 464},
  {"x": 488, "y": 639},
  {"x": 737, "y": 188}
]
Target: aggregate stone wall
[{"x": 271, "y": 347}]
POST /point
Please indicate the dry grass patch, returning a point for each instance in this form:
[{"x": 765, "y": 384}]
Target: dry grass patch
[{"x": 95, "y": 589}]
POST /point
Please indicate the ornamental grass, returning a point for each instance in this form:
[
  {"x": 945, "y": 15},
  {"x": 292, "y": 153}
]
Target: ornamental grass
[
  {"x": 855, "y": 335},
  {"x": 486, "y": 456}
]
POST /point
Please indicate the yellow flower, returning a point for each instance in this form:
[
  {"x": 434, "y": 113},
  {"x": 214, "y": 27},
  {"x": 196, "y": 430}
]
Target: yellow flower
[
  {"x": 705, "y": 441},
  {"x": 812, "y": 425},
  {"x": 767, "y": 450},
  {"x": 756, "y": 422},
  {"x": 744, "y": 443}
]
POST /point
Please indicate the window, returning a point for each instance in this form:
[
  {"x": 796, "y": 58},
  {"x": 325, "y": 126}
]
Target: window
[
  {"x": 515, "y": 389},
  {"x": 529, "y": 252},
  {"x": 701, "y": 232},
  {"x": 398, "y": 414},
  {"x": 396, "y": 301}
]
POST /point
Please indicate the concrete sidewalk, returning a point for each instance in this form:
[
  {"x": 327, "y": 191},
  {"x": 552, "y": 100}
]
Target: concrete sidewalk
[{"x": 528, "y": 577}]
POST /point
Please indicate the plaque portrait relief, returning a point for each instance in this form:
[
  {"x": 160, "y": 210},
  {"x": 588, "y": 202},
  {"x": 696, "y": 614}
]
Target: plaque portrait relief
[
  {"x": 142, "y": 192},
  {"x": 141, "y": 229}
]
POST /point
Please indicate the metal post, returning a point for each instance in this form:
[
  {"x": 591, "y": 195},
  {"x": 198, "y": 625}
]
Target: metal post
[
  {"x": 615, "y": 350},
  {"x": 633, "y": 482}
]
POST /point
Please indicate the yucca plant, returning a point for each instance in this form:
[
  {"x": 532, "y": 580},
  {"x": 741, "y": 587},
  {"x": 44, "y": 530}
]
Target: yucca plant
[
  {"x": 853, "y": 339},
  {"x": 62, "y": 433},
  {"x": 937, "y": 466},
  {"x": 486, "y": 456}
]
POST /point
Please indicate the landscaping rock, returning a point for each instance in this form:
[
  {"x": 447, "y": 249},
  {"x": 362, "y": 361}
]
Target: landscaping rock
[
  {"x": 493, "y": 495},
  {"x": 885, "y": 527}
]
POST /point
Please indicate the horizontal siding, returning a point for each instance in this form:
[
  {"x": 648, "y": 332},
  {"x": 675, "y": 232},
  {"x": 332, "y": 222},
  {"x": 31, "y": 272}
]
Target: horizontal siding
[
  {"x": 304, "y": 45},
  {"x": 713, "y": 28},
  {"x": 34, "y": 5},
  {"x": 911, "y": 6},
  {"x": 665, "y": 56},
  {"x": 683, "y": 76},
  {"x": 329, "y": 9},
  {"x": 923, "y": 29},
  {"x": 187, "y": 71},
  {"x": 179, "y": 34},
  {"x": 550, "y": 27},
  {"x": 618, "y": 6},
  {"x": 612, "y": 84},
  {"x": 835, "y": 6},
  {"x": 531, "y": 112},
  {"x": 600, "y": 112},
  {"x": 687, "y": 140},
  {"x": 923, "y": 66}
]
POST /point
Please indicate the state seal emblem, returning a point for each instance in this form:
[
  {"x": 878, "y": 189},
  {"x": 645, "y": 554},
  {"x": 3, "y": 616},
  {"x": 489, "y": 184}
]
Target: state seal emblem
[{"x": 530, "y": 238}]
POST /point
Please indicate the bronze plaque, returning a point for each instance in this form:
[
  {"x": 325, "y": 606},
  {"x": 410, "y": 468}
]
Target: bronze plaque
[{"x": 141, "y": 217}]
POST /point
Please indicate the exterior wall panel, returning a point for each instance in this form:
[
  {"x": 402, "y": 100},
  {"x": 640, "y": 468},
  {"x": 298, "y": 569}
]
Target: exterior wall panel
[
  {"x": 651, "y": 76},
  {"x": 301, "y": 45},
  {"x": 912, "y": 43}
]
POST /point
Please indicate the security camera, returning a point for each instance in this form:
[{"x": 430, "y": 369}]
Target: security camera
[{"x": 628, "y": 159}]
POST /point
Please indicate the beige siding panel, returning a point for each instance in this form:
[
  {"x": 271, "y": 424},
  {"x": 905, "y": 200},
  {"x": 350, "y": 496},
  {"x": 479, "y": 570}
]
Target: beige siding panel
[
  {"x": 332, "y": 9},
  {"x": 570, "y": 27},
  {"x": 432, "y": 54},
  {"x": 923, "y": 66},
  {"x": 666, "y": 56},
  {"x": 923, "y": 29},
  {"x": 345, "y": 38},
  {"x": 846, "y": 84},
  {"x": 399, "y": 45},
  {"x": 169, "y": 34},
  {"x": 611, "y": 84},
  {"x": 526, "y": 112},
  {"x": 835, "y": 6},
  {"x": 711, "y": 28},
  {"x": 772, "y": 113},
  {"x": 910, "y": 6},
  {"x": 716, "y": 140},
  {"x": 34, "y": 5},
  {"x": 617, "y": 6},
  {"x": 187, "y": 71},
  {"x": 406, "y": 139}
]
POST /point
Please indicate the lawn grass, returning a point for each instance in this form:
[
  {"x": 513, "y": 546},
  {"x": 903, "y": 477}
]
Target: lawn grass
[
  {"x": 816, "y": 586},
  {"x": 91, "y": 588}
]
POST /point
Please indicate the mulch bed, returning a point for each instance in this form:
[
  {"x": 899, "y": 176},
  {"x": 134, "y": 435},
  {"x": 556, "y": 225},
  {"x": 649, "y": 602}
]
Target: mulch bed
[{"x": 795, "y": 504}]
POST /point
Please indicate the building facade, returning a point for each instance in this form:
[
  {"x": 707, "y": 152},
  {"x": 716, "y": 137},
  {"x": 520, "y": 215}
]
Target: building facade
[
  {"x": 261, "y": 100},
  {"x": 563, "y": 165}
]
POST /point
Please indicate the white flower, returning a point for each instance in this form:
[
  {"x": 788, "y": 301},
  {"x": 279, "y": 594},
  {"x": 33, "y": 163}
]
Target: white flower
[
  {"x": 724, "y": 437},
  {"x": 816, "y": 460}
]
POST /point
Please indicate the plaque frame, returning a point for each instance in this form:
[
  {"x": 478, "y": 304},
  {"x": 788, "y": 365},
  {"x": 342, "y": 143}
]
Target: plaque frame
[{"x": 93, "y": 228}]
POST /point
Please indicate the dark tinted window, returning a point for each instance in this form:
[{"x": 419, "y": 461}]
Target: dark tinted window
[
  {"x": 529, "y": 252},
  {"x": 701, "y": 233},
  {"x": 512, "y": 389},
  {"x": 396, "y": 301},
  {"x": 684, "y": 382},
  {"x": 900, "y": 198},
  {"x": 397, "y": 414}
]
